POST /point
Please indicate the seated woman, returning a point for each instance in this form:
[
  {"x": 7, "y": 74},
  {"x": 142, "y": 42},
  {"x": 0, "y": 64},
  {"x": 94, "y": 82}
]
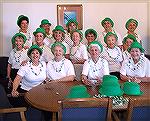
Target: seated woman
[
  {"x": 112, "y": 54},
  {"x": 136, "y": 68},
  {"x": 95, "y": 67},
  {"x": 78, "y": 53},
  {"x": 60, "y": 68}
]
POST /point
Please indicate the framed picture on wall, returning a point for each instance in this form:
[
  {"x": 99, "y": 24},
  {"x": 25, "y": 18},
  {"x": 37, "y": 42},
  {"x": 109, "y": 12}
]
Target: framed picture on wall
[{"x": 67, "y": 12}]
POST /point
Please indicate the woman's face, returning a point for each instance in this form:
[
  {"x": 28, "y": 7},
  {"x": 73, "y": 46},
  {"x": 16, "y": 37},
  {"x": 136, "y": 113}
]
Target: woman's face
[
  {"x": 35, "y": 55},
  {"x": 24, "y": 25},
  {"x": 58, "y": 52},
  {"x": 128, "y": 42},
  {"x": 58, "y": 35},
  {"x": 39, "y": 37},
  {"x": 135, "y": 53},
  {"x": 107, "y": 25},
  {"x": 132, "y": 26},
  {"x": 19, "y": 42},
  {"x": 94, "y": 52},
  {"x": 111, "y": 41},
  {"x": 46, "y": 27},
  {"x": 72, "y": 26},
  {"x": 90, "y": 37},
  {"x": 76, "y": 38}
]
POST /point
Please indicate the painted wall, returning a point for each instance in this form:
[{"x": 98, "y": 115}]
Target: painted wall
[{"x": 93, "y": 13}]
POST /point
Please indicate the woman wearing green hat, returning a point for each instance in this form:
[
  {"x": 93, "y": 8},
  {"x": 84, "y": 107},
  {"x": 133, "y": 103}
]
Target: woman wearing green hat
[
  {"x": 131, "y": 26},
  {"x": 39, "y": 38},
  {"x": 137, "y": 67},
  {"x": 17, "y": 55},
  {"x": 23, "y": 23},
  {"x": 60, "y": 68},
  {"x": 108, "y": 25},
  {"x": 78, "y": 52},
  {"x": 95, "y": 67},
  {"x": 113, "y": 54}
]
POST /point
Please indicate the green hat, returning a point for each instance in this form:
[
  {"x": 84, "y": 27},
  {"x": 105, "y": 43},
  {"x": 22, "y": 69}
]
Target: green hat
[
  {"x": 21, "y": 18},
  {"x": 39, "y": 30},
  {"x": 72, "y": 21},
  {"x": 45, "y": 21},
  {"x": 91, "y": 31},
  {"x": 130, "y": 36},
  {"x": 107, "y": 19},
  {"x": 132, "y": 88},
  {"x": 76, "y": 30},
  {"x": 108, "y": 34},
  {"x": 79, "y": 91},
  {"x": 34, "y": 47},
  {"x": 131, "y": 20},
  {"x": 16, "y": 35},
  {"x": 96, "y": 43},
  {"x": 109, "y": 78},
  {"x": 58, "y": 44},
  {"x": 136, "y": 45},
  {"x": 59, "y": 28}
]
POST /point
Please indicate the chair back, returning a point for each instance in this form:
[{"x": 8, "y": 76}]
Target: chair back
[
  {"x": 89, "y": 109},
  {"x": 138, "y": 109}
]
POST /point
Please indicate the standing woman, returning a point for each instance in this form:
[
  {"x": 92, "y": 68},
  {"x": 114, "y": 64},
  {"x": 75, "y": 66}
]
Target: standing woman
[
  {"x": 17, "y": 55},
  {"x": 23, "y": 23},
  {"x": 95, "y": 67},
  {"x": 60, "y": 68},
  {"x": 78, "y": 53}
]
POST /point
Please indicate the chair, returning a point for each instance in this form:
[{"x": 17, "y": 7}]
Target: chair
[
  {"x": 81, "y": 109},
  {"x": 138, "y": 110},
  {"x": 6, "y": 108},
  {"x": 78, "y": 71}
]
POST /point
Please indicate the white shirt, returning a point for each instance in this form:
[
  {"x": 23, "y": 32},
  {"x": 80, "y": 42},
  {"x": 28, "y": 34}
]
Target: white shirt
[
  {"x": 126, "y": 55},
  {"x": 114, "y": 58},
  {"x": 32, "y": 75},
  {"x": 29, "y": 39},
  {"x": 95, "y": 70},
  {"x": 57, "y": 70},
  {"x": 140, "y": 69},
  {"x": 16, "y": 58},
  {"x": 68, "y": 39},
  {"x": 79, "y": 52},
  {"x": 48, "y": 40}
]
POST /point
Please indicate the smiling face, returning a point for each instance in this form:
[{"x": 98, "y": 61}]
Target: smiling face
[
  {"x": 135, "y": 53},
  {"x": 94, "y": 52},
  {"x": 72, "y": 26},
  {"x": 58, "y": 53},
  {"x": 19, "y": 42},
  {"x": 111, "y": 41},
  {"x": 107, "y": 26},
  {"x": 47, "y": 28},
  {"x": 128, "y": 42},
  {"x": 35, "y": 55},
  {"x": 24, "y": 25},
  {"x": 58, "y": 35},
  {"x": 90, "y": 37},
  {"x": 39, "y": 37},
  {"x": 76, "y": 38},
  {"x": 132, "y": 26}
]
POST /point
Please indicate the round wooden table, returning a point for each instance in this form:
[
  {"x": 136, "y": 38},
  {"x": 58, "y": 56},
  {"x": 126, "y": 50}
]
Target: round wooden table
[{"x": 46, "y": 96}]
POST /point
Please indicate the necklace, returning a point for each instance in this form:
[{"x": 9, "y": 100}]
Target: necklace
[
  {"x": 40, "y": 69},
  {"x": 61, "y": 65},
  {"x": 17, "y": 55}
]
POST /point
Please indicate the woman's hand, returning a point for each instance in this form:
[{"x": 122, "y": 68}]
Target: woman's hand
[{"x": 15, "y": 93}]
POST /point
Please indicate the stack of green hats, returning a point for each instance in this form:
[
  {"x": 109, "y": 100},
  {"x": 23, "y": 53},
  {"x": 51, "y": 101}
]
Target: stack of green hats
[
  {"x": 110, "y": 86},
  {"x": 78, "y": 91},
  {"x": 132, "y": 88}
]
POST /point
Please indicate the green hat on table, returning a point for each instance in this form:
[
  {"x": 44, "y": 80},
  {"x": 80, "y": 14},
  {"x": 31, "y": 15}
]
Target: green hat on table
[
  {"x": 21, "y": 18},
  {"x": 79, "y": 91},
  {"x": 45, "y": 21},
  {"x": 96, "y": 43},
  {"x": 58, "y": 44},
  {"x": 91, "y": 31},
  {"x": 130, "y": 36},
  {"x": 39, "y": 30},
  {"x": 20, "y": 35},
  {"x": 131, "y": 20},
  {"x": 72, "y": 21},
  {"x": 132, "y": 88},
  {"x": 59, "y": 28},
  {"x": 136, "y": 45},
  {"x": 108, "y": 34},
  {"x": 32, "y": 48},
  {"x": 77, "y": 30},
  {"x": 107, "y": 19}
]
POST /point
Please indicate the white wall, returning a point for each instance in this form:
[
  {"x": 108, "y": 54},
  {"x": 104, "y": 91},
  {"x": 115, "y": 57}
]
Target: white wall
[{"x": 93, "y": 13}]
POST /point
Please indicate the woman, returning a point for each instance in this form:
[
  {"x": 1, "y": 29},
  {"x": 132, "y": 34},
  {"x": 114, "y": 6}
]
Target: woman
[
  {"x": 131, "y": 26},
  {"x": 23, "y": 23},
  {"x": 60, "y": 68},
  {"x": 78, "y": 53},
  {"x": 17, "y": 55},
  {"x": 113, "y": 54},
  {"x": 95, "y": 67},
  {"x": 137, "y": 67},
  {"x": 39, "y": 40},
  {"x": 32, "y": 74}
]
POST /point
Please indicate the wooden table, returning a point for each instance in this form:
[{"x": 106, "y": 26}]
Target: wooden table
[{"x": 46, "y": 96}]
